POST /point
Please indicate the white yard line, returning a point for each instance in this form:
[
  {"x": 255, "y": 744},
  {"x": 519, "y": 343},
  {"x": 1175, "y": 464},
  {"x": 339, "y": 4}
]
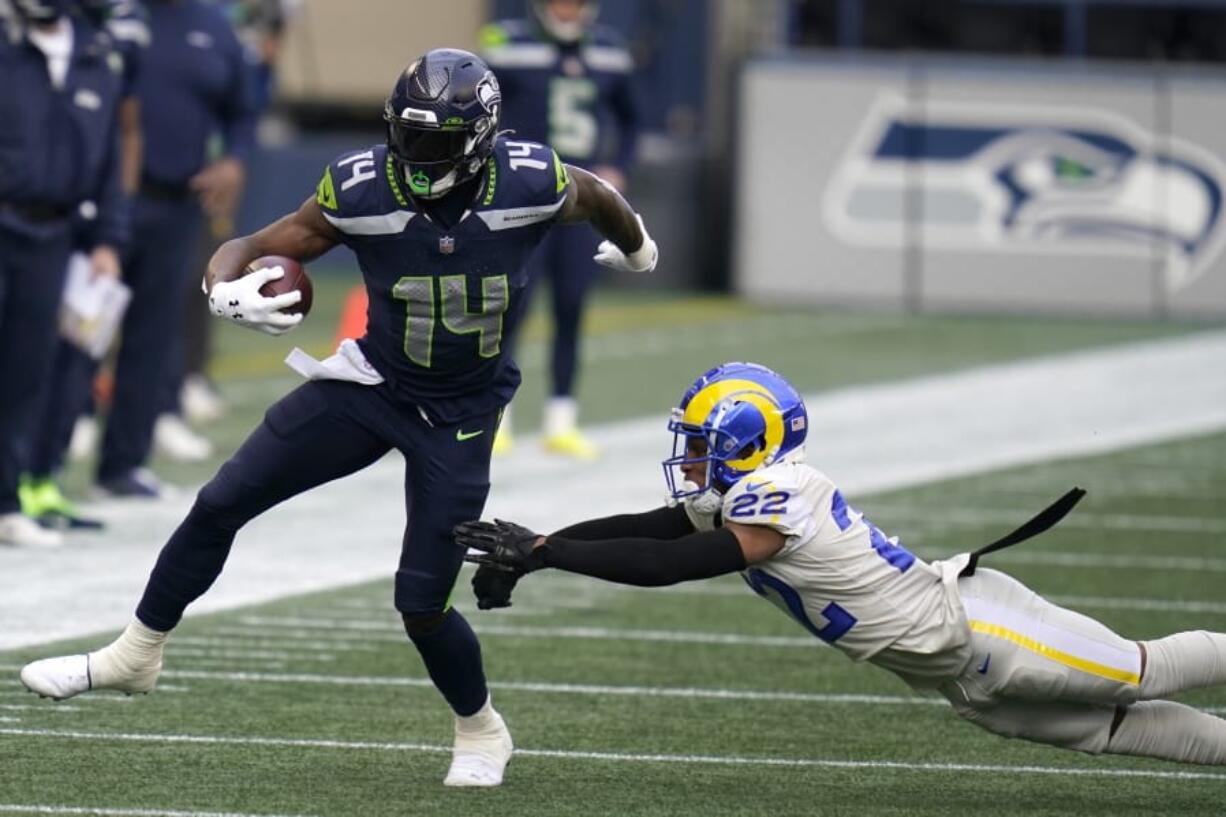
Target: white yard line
[
  {"x": 264, "y": 643},
  {"x": 262, "y": 623},
  {"x": 100, "y": 811},
  {"x": 39, "y": 708},
  {"x": 949, "y": 518},
  {"x": 625, "y": 757},
  {"x": 869, "y": 438},
  {"x": 544, "y": 688}
]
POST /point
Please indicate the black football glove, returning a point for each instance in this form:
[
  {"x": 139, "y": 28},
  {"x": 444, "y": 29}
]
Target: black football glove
[
  {"x": 492, "y": 587},
  {"x": 504, "y": 546}
]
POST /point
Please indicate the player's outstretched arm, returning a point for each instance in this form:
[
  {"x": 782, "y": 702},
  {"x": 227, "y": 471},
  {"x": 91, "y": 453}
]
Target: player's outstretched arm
[
  {"x": 493, "y": 586},
  {"x": 304, "y": 234},
  {"x": 628, "y": 246},
  {"x": 645, "y": 562}
]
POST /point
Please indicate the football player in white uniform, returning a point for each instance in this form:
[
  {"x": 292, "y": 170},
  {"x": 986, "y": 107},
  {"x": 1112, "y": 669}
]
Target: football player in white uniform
[{"x": 1004, "y": 657}]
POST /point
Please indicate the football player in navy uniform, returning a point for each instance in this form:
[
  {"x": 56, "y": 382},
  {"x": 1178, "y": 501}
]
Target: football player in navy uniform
[
  {"x": 566, "y": 81},
  {"x": 745, "y": 501},
  {"x": 441, "y": 219}
]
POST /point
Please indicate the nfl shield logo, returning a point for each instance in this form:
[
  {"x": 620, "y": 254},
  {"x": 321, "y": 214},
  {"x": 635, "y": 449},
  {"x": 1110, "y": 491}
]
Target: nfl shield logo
[{"x": 446, "y": 245}]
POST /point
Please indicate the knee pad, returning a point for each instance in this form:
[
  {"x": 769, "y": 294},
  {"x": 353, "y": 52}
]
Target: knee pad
[{"x": 418, "y": 625}]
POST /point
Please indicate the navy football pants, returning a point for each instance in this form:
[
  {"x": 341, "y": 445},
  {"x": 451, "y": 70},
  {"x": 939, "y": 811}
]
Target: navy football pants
[
  {"x": 31, "y": 285},
  {"x": 321, "y": 431},
  {"x": 565, "y": 257},
  {"x": 156, "y": 267},
  {"x": 66, "y": 397}
]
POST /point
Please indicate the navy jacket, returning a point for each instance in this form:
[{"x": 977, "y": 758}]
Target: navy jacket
[
  {"x": 58, "y": 146},
  {"x": 195, "y": 86}
]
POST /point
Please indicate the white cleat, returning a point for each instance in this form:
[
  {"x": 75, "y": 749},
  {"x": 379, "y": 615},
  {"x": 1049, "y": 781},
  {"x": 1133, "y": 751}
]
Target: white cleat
[
  {"x": 176, "y": 440},
  {"x": 84, "y": 439},
  {"x": 480, "y": 756},
  {"x": 130, "y": 664},
  {"x": 58, "y": 678},
  {"x": 21, "y": 531},
  {"x": 201, "y": 401}
]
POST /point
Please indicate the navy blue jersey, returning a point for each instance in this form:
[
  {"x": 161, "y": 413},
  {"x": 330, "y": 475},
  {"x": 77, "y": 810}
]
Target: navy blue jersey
[
  {"x": 576, "y": 97},
  {"x": 443, "y": 302},
  {"x": 194, "y": 83}
]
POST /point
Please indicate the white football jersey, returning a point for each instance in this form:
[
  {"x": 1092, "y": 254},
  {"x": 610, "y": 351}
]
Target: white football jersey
[{"x": 844, "y": 581}]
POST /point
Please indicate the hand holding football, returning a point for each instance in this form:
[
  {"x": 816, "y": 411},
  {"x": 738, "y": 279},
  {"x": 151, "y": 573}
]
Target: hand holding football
[{"x": 295, "y": 278}]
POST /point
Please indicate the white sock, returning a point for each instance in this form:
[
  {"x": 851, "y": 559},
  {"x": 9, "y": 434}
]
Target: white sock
[
  {"x": 561, "y": 415},
  {"x": 483, "y": 720},
  {"x": 137, "y": 649},
  {"x": 1183, "y": 661},
  {"x": 1170, "y": 731}
]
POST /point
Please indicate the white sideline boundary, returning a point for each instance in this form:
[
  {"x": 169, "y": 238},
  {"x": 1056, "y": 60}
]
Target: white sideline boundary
[
  {"x": 869, "y": 438},
  {"x": 623, "y": 757}
]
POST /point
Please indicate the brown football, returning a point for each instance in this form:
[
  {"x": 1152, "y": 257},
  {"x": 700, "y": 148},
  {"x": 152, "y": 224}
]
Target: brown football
[{"x": 295, "y": 278}]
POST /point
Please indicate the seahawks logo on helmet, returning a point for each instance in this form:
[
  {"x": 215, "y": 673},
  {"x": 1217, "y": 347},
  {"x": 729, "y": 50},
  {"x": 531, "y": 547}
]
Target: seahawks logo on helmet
[
  {"x": 442, "y": 120},
  {"x": 488, "y": 93},
  {"x": 1003, "y": 178}
]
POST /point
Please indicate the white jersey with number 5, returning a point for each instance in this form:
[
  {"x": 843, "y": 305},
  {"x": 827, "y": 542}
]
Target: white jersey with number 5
[{"x": 845, "y": 581}]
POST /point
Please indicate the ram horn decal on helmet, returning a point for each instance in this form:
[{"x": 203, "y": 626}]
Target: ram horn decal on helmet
[{"x": 745, "y": 415}]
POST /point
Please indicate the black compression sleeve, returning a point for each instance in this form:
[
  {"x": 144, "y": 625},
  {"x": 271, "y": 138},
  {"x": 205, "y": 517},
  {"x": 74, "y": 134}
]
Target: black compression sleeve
[
  {"x": 662, "y": 523},
  {"x": 648, "y": 562}
]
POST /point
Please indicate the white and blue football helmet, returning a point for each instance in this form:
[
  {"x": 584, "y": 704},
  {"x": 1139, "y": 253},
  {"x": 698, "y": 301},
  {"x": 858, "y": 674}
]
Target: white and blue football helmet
[{"x": 748, "y": 416}]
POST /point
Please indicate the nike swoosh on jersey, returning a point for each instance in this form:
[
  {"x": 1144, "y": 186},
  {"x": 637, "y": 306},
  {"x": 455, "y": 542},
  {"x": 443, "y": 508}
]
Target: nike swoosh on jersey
[
  {"x": 750, "y": 487},
  {"x": 462, "y": 435},
  {"x": 983, "y": 668}
]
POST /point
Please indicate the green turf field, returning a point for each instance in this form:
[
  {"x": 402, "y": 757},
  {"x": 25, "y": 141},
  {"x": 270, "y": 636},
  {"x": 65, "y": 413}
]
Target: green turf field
[{"x": 695, "y": 700}]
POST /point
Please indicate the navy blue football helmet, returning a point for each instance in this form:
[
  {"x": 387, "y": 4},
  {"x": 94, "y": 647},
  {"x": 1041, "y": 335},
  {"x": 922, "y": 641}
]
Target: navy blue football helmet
[{"x": 442, "y": 118}]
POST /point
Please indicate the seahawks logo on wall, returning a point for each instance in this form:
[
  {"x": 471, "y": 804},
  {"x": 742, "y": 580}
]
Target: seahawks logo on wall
[{"x": 1013, "y": 178}]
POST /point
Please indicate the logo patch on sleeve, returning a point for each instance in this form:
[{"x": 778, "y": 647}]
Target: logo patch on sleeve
[{"x": 325, "y": 194}]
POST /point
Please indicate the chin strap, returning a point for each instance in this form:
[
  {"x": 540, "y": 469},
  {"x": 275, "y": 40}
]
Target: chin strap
[{"x": 708, "y": 502}]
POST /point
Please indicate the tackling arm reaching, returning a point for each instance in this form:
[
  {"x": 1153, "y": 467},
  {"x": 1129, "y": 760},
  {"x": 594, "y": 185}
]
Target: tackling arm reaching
[{"x": 648, "y": 550}]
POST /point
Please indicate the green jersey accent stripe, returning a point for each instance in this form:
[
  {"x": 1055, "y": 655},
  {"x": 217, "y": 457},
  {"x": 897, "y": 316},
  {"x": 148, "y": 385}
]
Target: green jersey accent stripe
[
  {"x": 559, "y": 171},
  {"x": 491, "y": 183},
  {"x": 394, "y": 183}
]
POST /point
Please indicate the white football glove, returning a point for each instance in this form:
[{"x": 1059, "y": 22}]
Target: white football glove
[
  {"x": 240, "y": 301},
  {"x": 643, "y": 259}
]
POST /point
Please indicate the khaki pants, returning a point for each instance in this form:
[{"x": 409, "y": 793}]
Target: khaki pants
[{"x": 1039, "y": 671}]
